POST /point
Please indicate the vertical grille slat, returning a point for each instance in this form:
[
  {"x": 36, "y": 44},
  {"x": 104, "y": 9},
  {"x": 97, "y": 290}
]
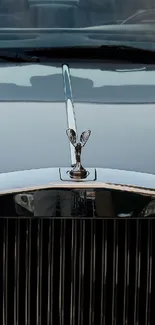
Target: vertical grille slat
[
  {"x": 73, "y": 272},
  {"x": 5, "y": 272},
  {"x": 137, "y": 272},
  {"x": 104, "y": 273},
  {"x": 149, "y": 275},
  {"x": 126, "y": 274},
  {"x": 77, "y": 271},
  {"x": 50, "y": 273},
  {"x": 62, "y": 271},
  {"x": 39, "y": 273},
  {"x": 81, "y": 272},
  {"x": 115, "y": 273},
  {"x": 16, "y": 271},
  {"x": 28, "y": 273},
  {"x": 92, "y": 274}
]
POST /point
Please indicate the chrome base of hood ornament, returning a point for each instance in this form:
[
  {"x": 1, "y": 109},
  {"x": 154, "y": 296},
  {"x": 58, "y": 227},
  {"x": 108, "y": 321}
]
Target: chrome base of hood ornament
[
  {"x": 66, "y": 175},
  {"x": 78, "y": 172}
]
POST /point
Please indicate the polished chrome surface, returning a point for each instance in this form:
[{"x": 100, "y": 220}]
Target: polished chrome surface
[
  {"x": 78, "y": 172},
  {"x": 105, "y": 178},
  {"x": 84, "y": 137},
  {"x": 91, "y": 177},
  {"x": 25, "y": 200},
  {"x": 71, "y": 119},
  {"x": 79, "y": 202}
]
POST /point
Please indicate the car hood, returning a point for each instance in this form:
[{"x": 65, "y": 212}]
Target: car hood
[
  {"x": 118, "y": 107},
  {"x": 95, "y": 83}
]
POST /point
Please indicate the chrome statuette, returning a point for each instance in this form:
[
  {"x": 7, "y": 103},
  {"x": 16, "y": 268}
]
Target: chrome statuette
[{"x": 78, "y": 172}]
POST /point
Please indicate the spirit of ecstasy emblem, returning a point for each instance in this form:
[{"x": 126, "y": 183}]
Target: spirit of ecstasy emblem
[{"x": 78, "y": 172}]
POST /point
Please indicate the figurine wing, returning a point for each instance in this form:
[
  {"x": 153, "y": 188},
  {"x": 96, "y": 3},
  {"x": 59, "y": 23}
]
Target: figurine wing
[
  {"x": 84, "y": 137},
  {"x": 71, "y": 136}
]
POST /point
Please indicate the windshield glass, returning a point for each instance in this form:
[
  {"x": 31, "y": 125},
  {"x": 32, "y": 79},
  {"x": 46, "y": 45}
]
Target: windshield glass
[{"x": 47, "y": 22}]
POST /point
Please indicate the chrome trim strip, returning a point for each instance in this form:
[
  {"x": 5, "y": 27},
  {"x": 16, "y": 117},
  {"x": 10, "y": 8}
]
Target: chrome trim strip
[
  {"x": 29, "y": 180},
  {"x": 71, "y": 119}
]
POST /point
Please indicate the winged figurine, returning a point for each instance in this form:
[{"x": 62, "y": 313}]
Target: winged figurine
[{"x": 78, "y": 171}]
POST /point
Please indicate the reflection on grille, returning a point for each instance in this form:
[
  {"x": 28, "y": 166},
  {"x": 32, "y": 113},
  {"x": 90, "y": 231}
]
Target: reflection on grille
[{"x": 77, "y": 271}]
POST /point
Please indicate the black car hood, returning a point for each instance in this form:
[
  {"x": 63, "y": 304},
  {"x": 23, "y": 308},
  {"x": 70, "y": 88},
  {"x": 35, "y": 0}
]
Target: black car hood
[
  {"x": 95, "y": 83},
  {"x": 118, "y": 107}
]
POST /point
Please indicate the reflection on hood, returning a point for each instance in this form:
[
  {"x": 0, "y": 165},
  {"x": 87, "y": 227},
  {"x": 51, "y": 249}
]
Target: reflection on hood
[{"x": 27, "y": 82}]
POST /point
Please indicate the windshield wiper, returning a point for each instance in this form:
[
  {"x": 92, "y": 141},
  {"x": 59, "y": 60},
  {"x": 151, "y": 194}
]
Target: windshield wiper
[
  {"x": 106, "y": 52},
  {"x": 17, "y": 57},
  {"x": 103, "y": 52},
  {"x": 128, "y": 53}
]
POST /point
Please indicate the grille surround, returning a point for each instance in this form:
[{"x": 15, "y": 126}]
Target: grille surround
[{"x": 77, "y": 271}]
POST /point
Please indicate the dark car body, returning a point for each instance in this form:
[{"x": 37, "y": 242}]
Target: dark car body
[
  {"x": 93, "y": 268},
  {"x": 117, "y": 104}
]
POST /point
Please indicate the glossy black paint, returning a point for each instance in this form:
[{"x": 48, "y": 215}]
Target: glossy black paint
[
  {"x": 32, "y": 135},
  {"x": 118, "y": 107}
]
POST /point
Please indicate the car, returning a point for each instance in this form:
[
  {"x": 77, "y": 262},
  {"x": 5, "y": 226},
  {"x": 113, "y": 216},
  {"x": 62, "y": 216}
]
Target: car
[
  {"x": 93, "y": 260},
  {"x": 77, "y": 171}
]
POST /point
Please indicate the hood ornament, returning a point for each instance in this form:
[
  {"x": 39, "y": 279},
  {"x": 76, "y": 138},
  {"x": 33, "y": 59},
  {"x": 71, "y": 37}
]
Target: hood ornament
[{"x": 78, "y": 172}]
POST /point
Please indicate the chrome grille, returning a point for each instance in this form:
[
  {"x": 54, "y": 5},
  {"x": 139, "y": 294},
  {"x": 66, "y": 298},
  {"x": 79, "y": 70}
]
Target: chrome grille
[{"x": 79, "y": 271}]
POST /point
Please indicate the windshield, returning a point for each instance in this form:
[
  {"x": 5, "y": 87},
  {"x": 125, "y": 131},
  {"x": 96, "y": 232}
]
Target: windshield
[{"x": 27, "y": 23}]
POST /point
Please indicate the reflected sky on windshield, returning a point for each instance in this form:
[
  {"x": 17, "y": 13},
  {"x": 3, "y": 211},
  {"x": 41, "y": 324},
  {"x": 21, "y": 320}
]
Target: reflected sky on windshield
[{"x": 72, "y": 13}]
